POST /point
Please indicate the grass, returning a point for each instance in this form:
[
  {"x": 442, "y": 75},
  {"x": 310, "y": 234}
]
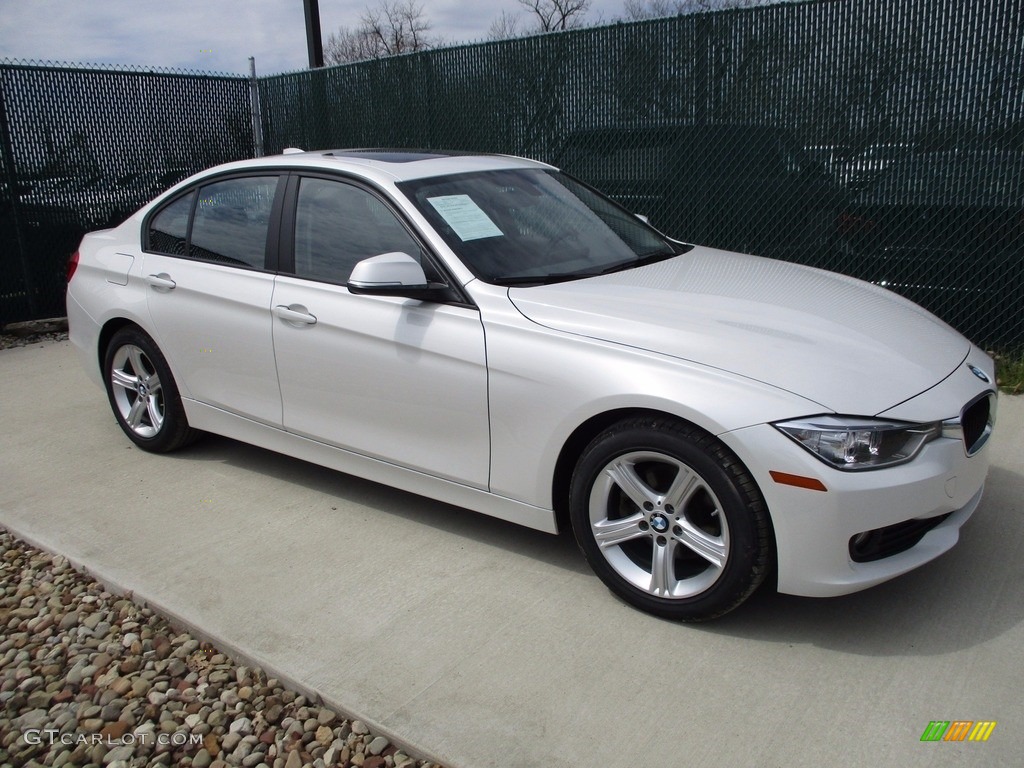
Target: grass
[{"x": 1010, "y": 371}]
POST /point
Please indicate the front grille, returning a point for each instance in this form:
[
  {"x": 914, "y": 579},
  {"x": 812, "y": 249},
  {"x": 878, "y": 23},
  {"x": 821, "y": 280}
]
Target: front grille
[
  {"x": 891, "y": 540},
  {"x": 975, "y": 422}
]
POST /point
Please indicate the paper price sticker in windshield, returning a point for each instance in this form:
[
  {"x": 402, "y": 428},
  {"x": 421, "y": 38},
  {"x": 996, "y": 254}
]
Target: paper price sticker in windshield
[{"x": 465, "y": 217}]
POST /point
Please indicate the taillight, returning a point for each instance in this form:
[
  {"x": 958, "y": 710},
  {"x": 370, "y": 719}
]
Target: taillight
[{"x": 72, "y": 265}]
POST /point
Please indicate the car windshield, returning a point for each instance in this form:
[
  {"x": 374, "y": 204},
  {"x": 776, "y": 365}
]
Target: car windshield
[{"x": 533, "y": 227}]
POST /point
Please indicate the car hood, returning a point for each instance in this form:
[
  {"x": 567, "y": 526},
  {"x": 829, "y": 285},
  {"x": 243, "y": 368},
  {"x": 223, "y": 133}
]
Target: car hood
[{"x": 850, "y": 346}]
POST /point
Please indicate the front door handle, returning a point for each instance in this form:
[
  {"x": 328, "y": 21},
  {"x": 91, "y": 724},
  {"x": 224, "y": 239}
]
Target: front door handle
[
  {"x": 163, "y": 280},
  {"x": 295, "y": 314}
]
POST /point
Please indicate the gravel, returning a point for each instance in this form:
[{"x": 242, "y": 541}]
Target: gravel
[
  {"x": 33, "y": 332},
  {"x": 91, "y": 678}
]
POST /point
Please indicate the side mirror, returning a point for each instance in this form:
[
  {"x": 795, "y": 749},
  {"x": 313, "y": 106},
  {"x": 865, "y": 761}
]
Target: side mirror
[{"x": 395, "y": 274}]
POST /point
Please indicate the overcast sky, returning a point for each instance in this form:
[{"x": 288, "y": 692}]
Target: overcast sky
[{"x": 213, "y": 35}]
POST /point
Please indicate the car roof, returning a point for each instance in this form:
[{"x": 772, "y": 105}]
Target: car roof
[{"x": 392, "y": 165}]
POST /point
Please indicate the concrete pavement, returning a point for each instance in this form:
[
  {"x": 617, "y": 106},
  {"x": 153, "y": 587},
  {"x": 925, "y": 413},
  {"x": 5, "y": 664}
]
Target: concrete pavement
[{"x": 482, "y": 644}]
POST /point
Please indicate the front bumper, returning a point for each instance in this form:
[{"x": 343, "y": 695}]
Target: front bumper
[{"x": 896, "y": 518}]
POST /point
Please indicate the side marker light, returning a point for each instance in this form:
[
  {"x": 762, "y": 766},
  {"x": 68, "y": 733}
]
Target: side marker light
[{"x": 799, "y": 481}]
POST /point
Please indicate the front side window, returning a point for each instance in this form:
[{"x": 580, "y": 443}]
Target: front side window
[
  {"x": 531, "y": 227},
  {"x": 231, "y": 221},
  {"x": 337, "y": 225}
]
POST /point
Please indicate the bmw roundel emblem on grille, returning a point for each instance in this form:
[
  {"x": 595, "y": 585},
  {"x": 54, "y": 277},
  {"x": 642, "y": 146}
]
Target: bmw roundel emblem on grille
[{"x": 979, "y": 373}]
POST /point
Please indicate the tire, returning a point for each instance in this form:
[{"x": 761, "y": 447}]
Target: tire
[
  {"x": 670, "y": 519},
  {"x": 143, "y": 394}
]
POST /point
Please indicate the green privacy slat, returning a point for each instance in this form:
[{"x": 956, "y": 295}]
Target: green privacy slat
[{"x": 883, "y": 140}]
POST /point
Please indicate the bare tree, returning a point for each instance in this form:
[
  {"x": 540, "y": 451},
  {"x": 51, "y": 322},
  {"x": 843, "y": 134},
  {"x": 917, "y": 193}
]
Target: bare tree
[
  {"x": 553, "y": 15},
  {"x": 393, "y": 27},
  {"x": 636, "y": 10},
  {"x": 505, "y": 27}
]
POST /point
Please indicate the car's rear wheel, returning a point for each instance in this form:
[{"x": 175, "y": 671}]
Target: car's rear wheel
[
  {"x": 670, "y": 519},
  {"x": 143, "y": 394}
]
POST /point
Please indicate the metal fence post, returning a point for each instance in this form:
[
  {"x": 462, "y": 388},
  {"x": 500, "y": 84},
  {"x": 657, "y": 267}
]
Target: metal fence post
[{"x": 254, "y": 98}]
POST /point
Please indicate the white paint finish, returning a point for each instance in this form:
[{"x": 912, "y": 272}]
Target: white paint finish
[
  {"x": 848, "y": 345},
  {"x": 393, "y": 378},
  {"x": 214, "y": 328}
]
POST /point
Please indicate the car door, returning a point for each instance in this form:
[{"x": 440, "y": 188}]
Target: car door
[
  {"x": 396, "y": 379},
  {"x": 209, "y": 293}
]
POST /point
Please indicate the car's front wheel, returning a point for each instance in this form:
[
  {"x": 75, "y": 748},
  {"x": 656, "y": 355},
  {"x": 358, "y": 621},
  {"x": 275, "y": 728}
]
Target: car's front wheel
[
  {"x": 670, "y": 519},
  {"x": 143, "y": 394}
]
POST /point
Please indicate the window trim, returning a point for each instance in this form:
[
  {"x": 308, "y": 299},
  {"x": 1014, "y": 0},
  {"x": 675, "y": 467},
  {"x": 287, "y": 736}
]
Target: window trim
[{"x": 270, "y": 249}]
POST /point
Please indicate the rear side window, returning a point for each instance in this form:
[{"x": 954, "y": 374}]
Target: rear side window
[
  {"x": 168, "y": 230},
  {"x": 231, "y": 221},
  {"x": 225, "y": 222}
]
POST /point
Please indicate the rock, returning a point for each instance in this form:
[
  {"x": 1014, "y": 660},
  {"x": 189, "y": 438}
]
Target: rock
[
  {"x": 378, "y": 745},
  {"x": 210, "y": 744},
  {"x": 241, "y": 726},
  {"x": 230, "y": 741},
  {"x": 31, "y": 683},
  {"x": 202, "y": 759},
  {"x": 359, "y": 728},
  {"x": 324, "y": 735},
  {"x": 161, "y": 648},
  {"x": 294, "y": 760},
  {"x": 124, "y": 752},
  {"x": 40, "y": 700},
  {"x": 114, "y": 731},
  {"x": 326, "y": 717}
]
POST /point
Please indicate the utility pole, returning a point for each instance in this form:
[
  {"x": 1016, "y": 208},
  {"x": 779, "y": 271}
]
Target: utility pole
[{"x": 314, "y": 40}]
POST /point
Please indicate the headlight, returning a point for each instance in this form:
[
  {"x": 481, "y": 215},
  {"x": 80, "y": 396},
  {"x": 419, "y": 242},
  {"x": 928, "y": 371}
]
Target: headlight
[{"x": 852, "y": 443}]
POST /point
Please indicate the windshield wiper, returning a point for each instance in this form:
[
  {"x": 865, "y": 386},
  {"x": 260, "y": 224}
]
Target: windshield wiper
[
  {"x": 535, "y": 279},
  {"x": 528, "y": 280}
]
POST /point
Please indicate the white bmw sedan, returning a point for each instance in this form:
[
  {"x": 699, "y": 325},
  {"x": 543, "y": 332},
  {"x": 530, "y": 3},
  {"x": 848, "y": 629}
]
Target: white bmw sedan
[{"x": 487, "y": 331}]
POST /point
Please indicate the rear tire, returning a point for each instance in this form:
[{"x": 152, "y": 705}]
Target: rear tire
[
  {"x": 670, "y": 520},
  {"x": 143, "y": 394}
]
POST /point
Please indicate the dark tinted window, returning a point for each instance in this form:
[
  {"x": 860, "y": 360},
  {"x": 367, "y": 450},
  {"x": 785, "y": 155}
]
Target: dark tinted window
[
  {"x": 231, "y": 221},
  {"x": 169, "y": 228},
  {"x": 338, "y": 225}
]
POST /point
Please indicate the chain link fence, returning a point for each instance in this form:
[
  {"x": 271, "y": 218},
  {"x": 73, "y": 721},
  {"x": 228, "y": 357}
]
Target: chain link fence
[
  {"x": 883, "y": 140},
  {"x": 81, "y": 149}
]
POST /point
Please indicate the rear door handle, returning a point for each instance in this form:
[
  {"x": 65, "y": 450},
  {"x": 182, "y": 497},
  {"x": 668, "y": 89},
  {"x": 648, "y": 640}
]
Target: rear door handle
[
  {"x": 298, "y": 316},
  {"x": 163, "y": 280}
]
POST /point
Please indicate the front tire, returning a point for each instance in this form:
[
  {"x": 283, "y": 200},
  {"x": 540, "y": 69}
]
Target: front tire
[
  {"x": 143, "y": 394},
  {"x": 669, "y": 519}
]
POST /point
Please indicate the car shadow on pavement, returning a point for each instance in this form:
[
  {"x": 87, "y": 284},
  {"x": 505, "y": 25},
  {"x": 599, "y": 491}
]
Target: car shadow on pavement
[
  {"x": 962, "y": 599},
  {"x": 559, "y": 551}
]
